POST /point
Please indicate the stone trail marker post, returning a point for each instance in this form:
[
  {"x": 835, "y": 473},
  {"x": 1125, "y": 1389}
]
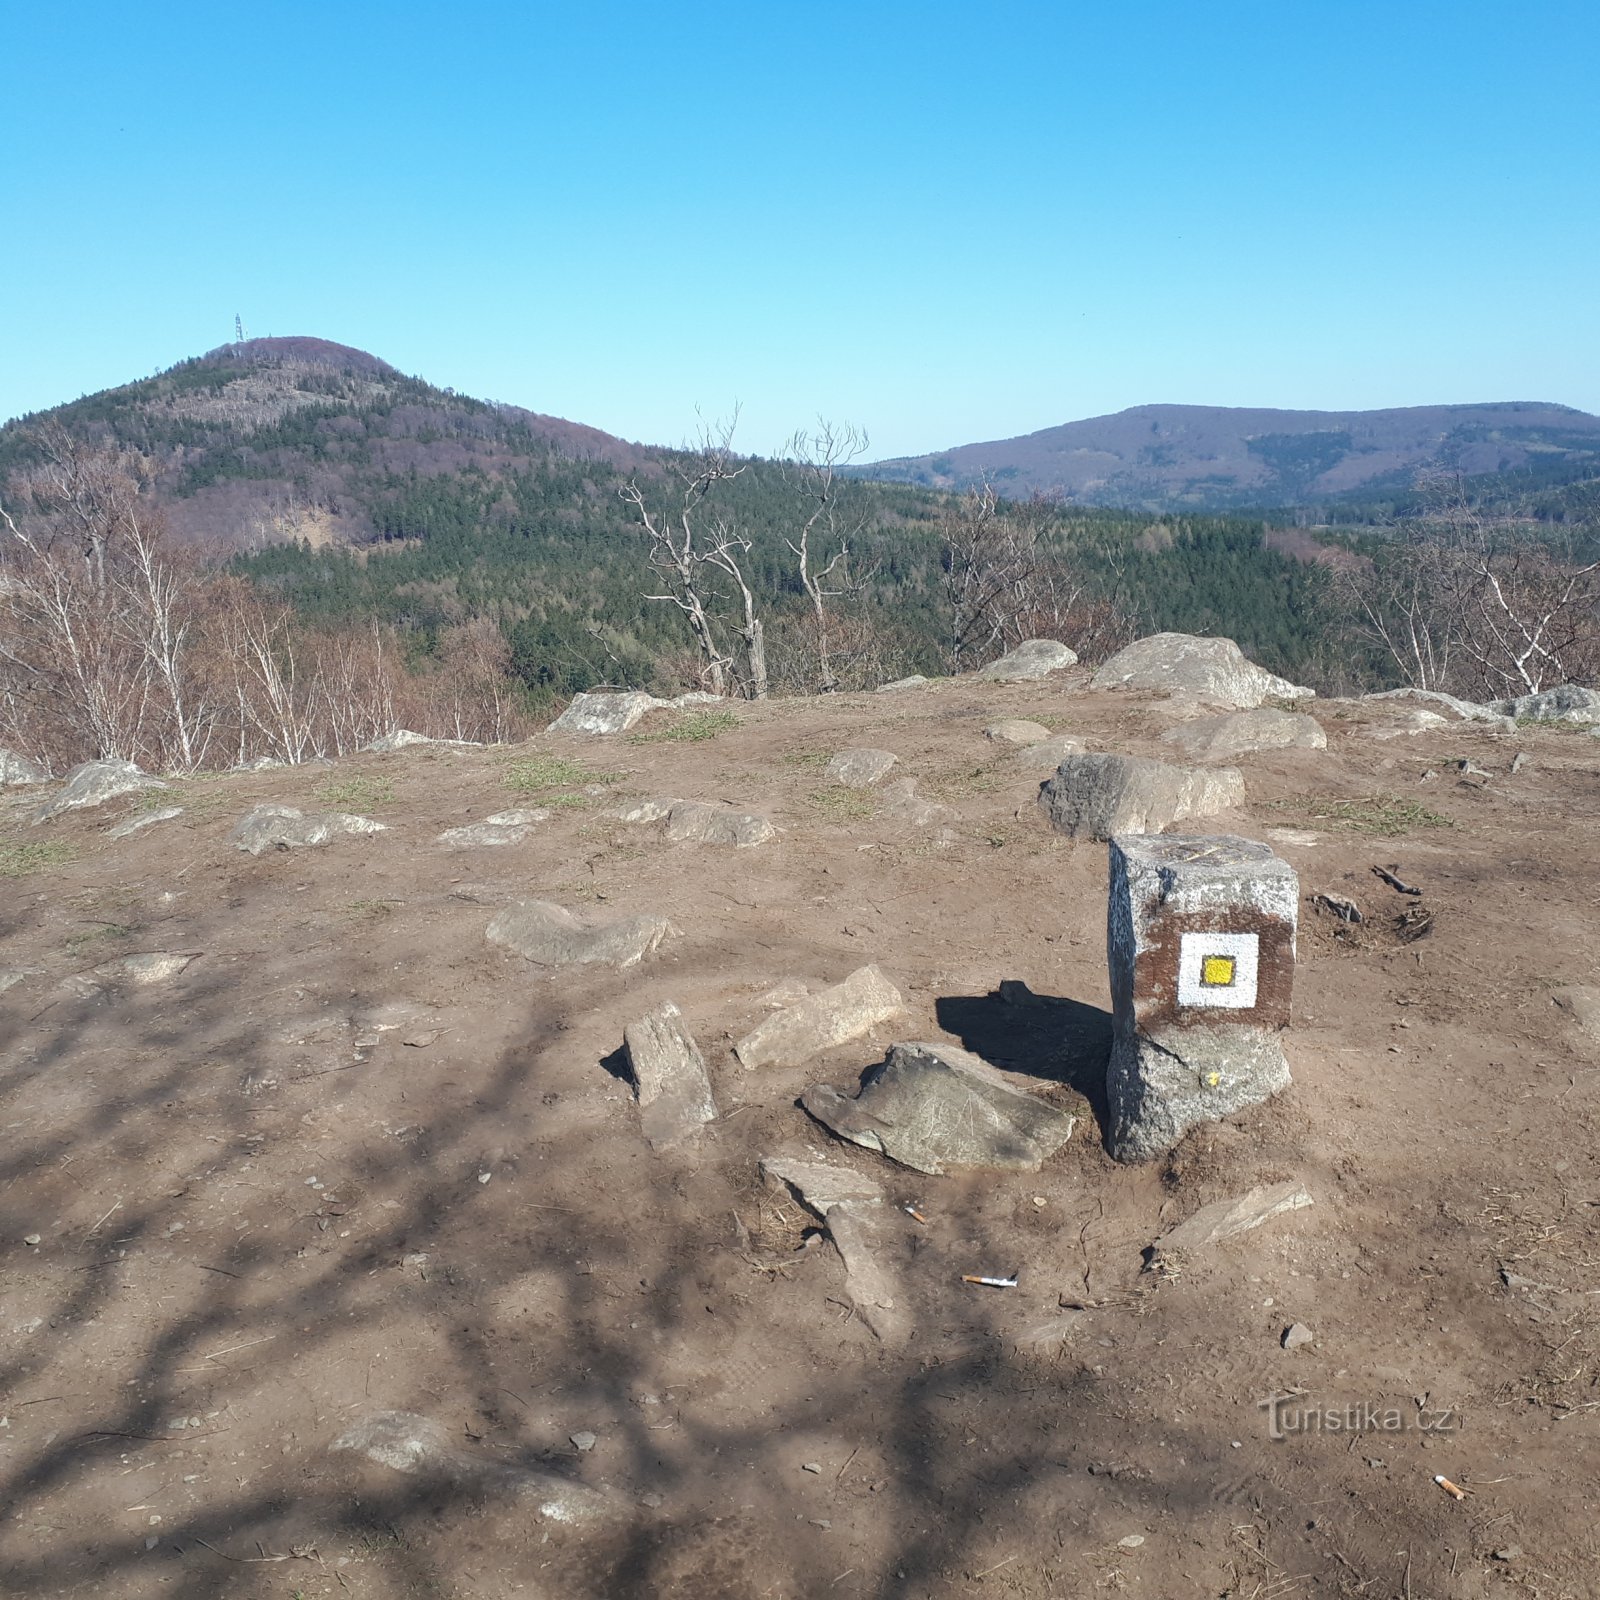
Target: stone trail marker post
[{"x": 1200, "y": 943}]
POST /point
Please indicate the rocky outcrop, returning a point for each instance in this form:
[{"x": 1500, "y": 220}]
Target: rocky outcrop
[
  {"x": 551, "y": 936},
  {"x": 1238, "y": 733},
  {"x": 273, "y": 827},
  {"x": 16, "y": 769},
  {"x": 504, "y": 827},
  {"x": 1216, "y": 671},
  {"x": 1447, "y": 705},
  {"x": 1571, "y": 702},
  {"x": 96, "y": 782},
  {"x": 1095, "y": 796}
]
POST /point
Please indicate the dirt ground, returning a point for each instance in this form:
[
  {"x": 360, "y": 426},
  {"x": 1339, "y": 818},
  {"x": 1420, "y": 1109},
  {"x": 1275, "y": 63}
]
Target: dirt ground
[{"x": 356, "y": 1159}]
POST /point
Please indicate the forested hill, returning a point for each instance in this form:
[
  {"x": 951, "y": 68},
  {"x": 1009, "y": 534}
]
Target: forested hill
[
  {"x": 1216, "y": 458},
  {"x": 276, "y": 439}
]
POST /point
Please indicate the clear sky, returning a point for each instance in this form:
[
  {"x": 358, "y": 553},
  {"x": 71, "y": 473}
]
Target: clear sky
[{"x": 943, "y": 222}]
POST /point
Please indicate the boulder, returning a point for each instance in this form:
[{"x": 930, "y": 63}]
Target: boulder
[
  {"x": 1227, "y": 1219},
  {"x": 420, "y": 1447},
  {"x": 1048, "y": 754},
  {"x": 1466, "y": 710},
  {"x": 1214, "y": 670},
  {"x": 148, "y": 820},
  {"x": 669, "y": 1077},
  {"x": 860, "y": 769},
  {"x": 1033, "y": 658},
  {"x": 273, "y": 827},
  {"x": 95, "y": 782},
  {"x": 551, "y": 936},
  {"x": 1237, "y": 733},
  {"x": 694, "y": 822},
  {"x": 16, "y": 768},
  {"x": 821, "y": 1021},
  {"x": 1571, "y": 702},
  {"x": 1095, "y": 796},
  {"x": 1014, "y": 730},
  {"x": 605, "y": 713},
  {"x": 933, "y": 1107}
]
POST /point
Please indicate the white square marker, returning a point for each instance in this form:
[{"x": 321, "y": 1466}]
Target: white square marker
[{"x": 1218, "y": 970}]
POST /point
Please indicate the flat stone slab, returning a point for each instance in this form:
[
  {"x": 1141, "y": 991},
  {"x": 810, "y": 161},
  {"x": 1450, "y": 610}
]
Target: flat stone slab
[
  {"x": 16, "y": 769},
  {"x": 819, "y": 1185},
  {"x": 149, "y": 820},
  {"x": 1016, "y": 730},
  {"x": 504, "y": 827},
  {"x": 669, "y": 1076},
  {"x": 1048, "y": 754},
  {"x": 273, "y": 827},
  {"x": 861, "y": 768},
  {"x": 1033, "y": 658},
  {"x": 1094, "y": 796},
  {"x": 821, "y": 1021},
  {"x": 1238, "y": 733},
  {"x": 95, "y": 782},
  {"x": 551, "y": 936},
  {"x": 934, "y": 1108},
  {"x": 1214, "y": 670},
  {"x": 695, "y": 822},
  {"x": 416, "y": 1445},
  {"x": 1227, "y": 1219},
  {"x": 155, "y": 966}
]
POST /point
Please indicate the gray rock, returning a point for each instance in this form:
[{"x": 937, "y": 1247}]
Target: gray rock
[
  {"x": 1227, "y": 1219},
  {"x": 1213, "y": 670},
  {"x": 1581, "y": 1002},
  {"x": 1408, "y": 722},
  {"x": 273, "y": 827},
  {"x": 583, "y": 1441},
  {"x": 669, "y": 1076},
  {"x": 505, "y": 827},
  {"x": 694, "y": 822},
  {"x": 1094, "y": 796},
  {"x": 421, "y": 1447},
  {"x": 933, "y": 1107},
  {"x": 148, "y": 820},
  {"x": 10, "y": 977},
  {"x": 1033, "y": 658},
  {"x": 1571, "y": 702},
  {"x": 644, "y": 810},
  {"x": 1237, "y": 733},
  {"x": 16, "y": 768},
  {"x": 155, "y": 966},
  {"x": 260, "y": 764},
  {"x": 902, "y": 803},
  {"x": 1014, "y": 730},
  {"x": 551, "y": 936},
  {"x": 1049, "y": 753},
  {"x": 1200, "y": 944},
  {"x": 605, "y": 713},
  {"x": 399, "y": 739},
  {"x": 1438, "y": 703},
  {"x": 915, "y": 681},
  {"x": 95, "y": 782},
  {"x": 860, "y": 769},
  {"x": 1297, "y": 1334},
  {"x": 848, "y": 1205},
  {"x": 821, "y": 1021}
]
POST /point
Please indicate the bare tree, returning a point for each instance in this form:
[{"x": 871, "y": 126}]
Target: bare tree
[{"x": 814, "y": 463}]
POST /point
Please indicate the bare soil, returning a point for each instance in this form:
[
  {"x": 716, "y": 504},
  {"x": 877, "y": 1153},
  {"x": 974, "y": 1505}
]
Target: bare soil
[{"x": 356, "y": 1159}]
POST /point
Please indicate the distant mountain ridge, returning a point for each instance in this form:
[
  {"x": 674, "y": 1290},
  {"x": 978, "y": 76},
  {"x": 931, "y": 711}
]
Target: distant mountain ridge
[
  {"x": 289, "y": 437},
  {"x": 1216, "y": 458}
]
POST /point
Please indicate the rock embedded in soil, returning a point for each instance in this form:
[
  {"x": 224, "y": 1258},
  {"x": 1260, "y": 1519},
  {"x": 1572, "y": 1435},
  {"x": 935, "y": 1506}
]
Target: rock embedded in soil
[
  {"x": 1238, "y": 733},
  {"x": 1214, "y": 670},
  {"x": 602, "y": 714},
  {"x": 551, "y": 936},
  {"x": 505, "y": 827},
  {"x": 1200, "y": 945},
  {"x": 1094, "y": 796},
  {"x": 1033, "y": 658},
  {"x": 915, "y": 681},
  {"x": 670, "y": 1077},
  {"x": 1297, "y": 1334},
  {"x": 934, "y": 1108},
  {"x": 1581, "y": 1002},
  {"x": 1570, "y": 703},
  {"x": 274, "y": 827},
  {"x": 155, "y": 966},
  {"x": 821, "y": 1021},
  {"x": 861, "y": 768},
  {"x": 902, "y": 803},
  {"x": 1227, "y": 1219},
  {"x": 138, "y": 824},
  {"x": 17, "y": 769},
  {"x": 1015, "y": 730},
  {"x": 1049, "y": 753},
  {"x": 95, "y": 782},
  {"x": 1439, "y": 703},
  {"x": 695, "y": 822}
]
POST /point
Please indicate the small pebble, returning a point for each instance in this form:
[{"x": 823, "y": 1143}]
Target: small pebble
[
  {"x": 484, "y": 1177},
  {"x": 1131, "y": 1541},
  {"x": 1295, "y": 1335},
  {"x": 583, "y": 1441},
  {"x": 30, "y": 1238},
  {"x": 1508, "y": 1552},
  {"x": 811, "y": 1466}
]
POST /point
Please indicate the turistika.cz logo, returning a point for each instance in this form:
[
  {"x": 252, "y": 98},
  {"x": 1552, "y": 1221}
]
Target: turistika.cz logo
[{"x": 1293, "y": 1414}]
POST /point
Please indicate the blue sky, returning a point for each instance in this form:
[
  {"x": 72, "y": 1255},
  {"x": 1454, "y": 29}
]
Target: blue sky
[{"x": 942, "y": 222}]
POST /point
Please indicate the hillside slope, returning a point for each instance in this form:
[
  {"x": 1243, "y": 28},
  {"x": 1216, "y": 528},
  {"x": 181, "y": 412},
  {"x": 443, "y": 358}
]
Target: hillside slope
[{"x": 1216, "y": 458}]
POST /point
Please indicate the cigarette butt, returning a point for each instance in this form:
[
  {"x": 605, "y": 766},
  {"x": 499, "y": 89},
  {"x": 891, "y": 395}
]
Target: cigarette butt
[
  {"x": 911, "y": 1211},
  {"x": 1453, "y": 1490},
  {"x": 991, "y": 1283}
]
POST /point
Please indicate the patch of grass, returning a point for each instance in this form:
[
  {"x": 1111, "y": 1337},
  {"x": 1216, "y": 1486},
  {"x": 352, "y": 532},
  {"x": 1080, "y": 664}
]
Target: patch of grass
[
  {"x": 978, "y": 780},
  {"x": 376, "y": 909},
  {"x": 1382, "y": 814},
  {"x": 692, "y": 728},
  {"x": 356, "y": 793},
  {"x": 568, "y": 802},
  {"x": 18, "y": 860},
  {"x": 1548, "y": 726},
  {"x": 535, "y": 774},
  {"x": 808, "y": 759},
  {"x": 106, "y": 930},
  {"x": 842, "y": 805}
]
